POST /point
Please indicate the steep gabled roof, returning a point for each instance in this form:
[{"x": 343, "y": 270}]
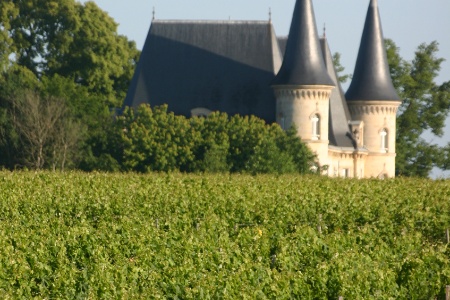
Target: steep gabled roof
[
  {"x": 282, "y": 41},
  {"x": 372, "y": 79},
  {"x": 219, "y": 65},
  {"x": 303, "y": 61},
  {"x": 339, "y": 117}
]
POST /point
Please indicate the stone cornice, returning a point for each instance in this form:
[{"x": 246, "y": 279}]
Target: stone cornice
[
  {"x": 382, "y": 154},
  {"x": 345, "y": 153},
  {"x": 303, "y": 87},
  {"x": 373, "y": 107},
  {"x": 314, "y": 92}
]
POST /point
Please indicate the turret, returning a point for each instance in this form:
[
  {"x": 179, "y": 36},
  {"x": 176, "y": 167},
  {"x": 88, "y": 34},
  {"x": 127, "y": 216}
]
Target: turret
[
  {"x": 302, "y": 86},
  {"x": 373, "y": 99}
]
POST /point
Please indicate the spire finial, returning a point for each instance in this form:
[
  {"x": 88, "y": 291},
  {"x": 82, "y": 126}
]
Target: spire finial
[
  {"x": 154, "y": 13},
  {"x": 270, "y": 15},
  {"x": 324, "y": 30}
]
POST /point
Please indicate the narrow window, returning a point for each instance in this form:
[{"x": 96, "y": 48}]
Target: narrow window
[
  {"x": 283, "y": 123},
  {"x": 315, "y": 127},
  {"x": 384, "y": 140}
]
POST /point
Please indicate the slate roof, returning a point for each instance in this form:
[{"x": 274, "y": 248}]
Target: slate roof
[
  {"x": 372, "y": 79},
  {"x": 303, "y": 62},
  {"x": 219, "y": 65},
  {"x": 282, "y": 41},
  {"x": 339, "y": 117}
]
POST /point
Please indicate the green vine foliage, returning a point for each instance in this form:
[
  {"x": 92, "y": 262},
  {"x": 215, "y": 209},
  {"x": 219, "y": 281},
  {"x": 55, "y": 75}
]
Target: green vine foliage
[{"x": 173, "y": 236}]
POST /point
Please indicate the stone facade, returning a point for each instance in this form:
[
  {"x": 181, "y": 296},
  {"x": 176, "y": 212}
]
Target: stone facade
[{"x": 371, "y": 101}]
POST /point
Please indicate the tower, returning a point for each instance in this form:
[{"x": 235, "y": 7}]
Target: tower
[
  {"x": 302, "y": 86},
  {"x": 372, "y": 98}
]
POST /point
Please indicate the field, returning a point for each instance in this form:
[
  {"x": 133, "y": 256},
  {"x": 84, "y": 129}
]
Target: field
[{"x": 173, "y": 236}]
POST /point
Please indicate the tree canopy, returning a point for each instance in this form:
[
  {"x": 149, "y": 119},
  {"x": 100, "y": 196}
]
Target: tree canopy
[
  {"x": 70, "y": 39},
  {"x": 425, "y": 107},
  {"x": 153, "y": 139},
  {"x": 66, "y": 54}
]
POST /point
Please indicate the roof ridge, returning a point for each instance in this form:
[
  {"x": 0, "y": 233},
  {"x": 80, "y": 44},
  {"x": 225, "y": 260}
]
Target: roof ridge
[{"x": 175, "y": 21}]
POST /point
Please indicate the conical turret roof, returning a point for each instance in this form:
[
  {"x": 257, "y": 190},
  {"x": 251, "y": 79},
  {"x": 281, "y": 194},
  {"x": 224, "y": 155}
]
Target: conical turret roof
[
  {"x": 303, "y": 60},
  {"x": 372, "y": 79}
]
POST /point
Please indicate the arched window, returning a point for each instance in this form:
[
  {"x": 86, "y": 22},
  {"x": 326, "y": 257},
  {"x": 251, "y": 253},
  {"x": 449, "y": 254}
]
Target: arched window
[
  {"x": 282, "y": 121},
  {"x": 384, "y": 140},
  {"x": 315, "y": 122}
]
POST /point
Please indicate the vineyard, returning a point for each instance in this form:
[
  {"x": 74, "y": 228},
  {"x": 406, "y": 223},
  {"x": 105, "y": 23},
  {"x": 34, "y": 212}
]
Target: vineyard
[{"x": 173, "y": 236}]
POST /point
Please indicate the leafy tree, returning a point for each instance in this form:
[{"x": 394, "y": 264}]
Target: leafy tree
[
  {"x": 425, "y": 107},
  {"x": 303, "y": 159},
  {"x": 75, "y": 40},
  {"x": 66, "y": 50},
  {"x": 211, "y": 151},
  {"x": 7, "y": 10},
  {"x": 98, "y": 57},
  {"x": 156, "y": 140},
  {"x": 13, "y": 84},
  {"x": 343, "y": 78}
]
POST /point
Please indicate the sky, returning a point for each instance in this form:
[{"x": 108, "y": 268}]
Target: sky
[{"x": 408, "y": 23}]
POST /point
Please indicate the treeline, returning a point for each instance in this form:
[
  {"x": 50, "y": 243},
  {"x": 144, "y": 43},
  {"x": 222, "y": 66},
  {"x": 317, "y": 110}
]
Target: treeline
[
  {"x": 55, "y": 123},
  {"x": 64, "y": 71},
  {"x": 44, "y": 133}
]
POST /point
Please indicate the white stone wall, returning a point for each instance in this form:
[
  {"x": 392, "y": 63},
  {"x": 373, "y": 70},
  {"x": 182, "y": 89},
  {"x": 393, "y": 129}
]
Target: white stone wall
[
  {"x": 377, "y": 116},
  {"x": 297, "y": 105}
]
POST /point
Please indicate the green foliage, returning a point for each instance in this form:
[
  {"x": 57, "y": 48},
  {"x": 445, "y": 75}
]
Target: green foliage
[
  {"x": 7, "y": 10},
  {"x": 168, "y": 236},
  {"x": 74, "y": 40},
  {"x": 425, "y": 107},
  {"x": 69, "y": 51},
  {"x": 343, "y": 78},
  {"x": 156, "y": 140}
]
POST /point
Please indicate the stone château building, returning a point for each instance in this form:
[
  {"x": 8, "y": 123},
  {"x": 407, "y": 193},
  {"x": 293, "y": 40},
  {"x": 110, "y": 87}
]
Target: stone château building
[{"x": 241, "y": 67}]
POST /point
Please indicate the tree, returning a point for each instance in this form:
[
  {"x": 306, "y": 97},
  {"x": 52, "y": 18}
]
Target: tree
[
  {"x": 211, "y": 150},
  {"x": 7, "y": 9},
  {"x": 425, "y": 107},
  {"x": 98, "y": 57},
  {"x": 155, "y": 140},
  {"x": 340, "y": 68},
  {"x": 152, "y": 139},
  {"x": 74, "y": 40},
  {"x": 71, "y": 51},
  {"x": 13, "y": 84},
  {"x": 36, "y": 120}
]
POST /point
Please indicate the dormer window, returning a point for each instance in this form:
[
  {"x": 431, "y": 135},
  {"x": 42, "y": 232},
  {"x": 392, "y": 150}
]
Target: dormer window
[
  {"x": 384, "y": 140},
  {"x": 200, "y": 112},
  {"x": 315, "y": 122}
]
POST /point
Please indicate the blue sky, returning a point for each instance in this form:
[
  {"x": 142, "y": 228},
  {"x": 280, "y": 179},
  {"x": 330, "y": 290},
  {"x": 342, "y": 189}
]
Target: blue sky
[{"x": 408, "y": 22}]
